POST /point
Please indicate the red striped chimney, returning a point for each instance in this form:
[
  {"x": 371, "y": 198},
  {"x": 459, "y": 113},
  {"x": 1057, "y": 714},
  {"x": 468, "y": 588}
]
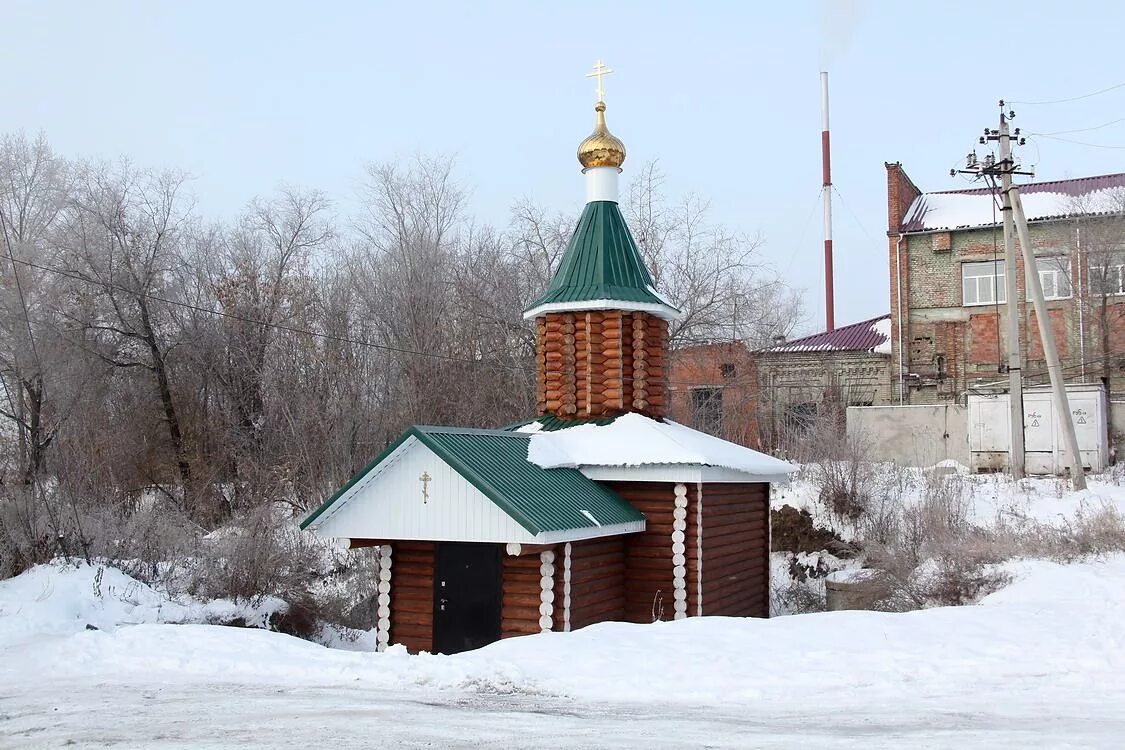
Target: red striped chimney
[{"x": 826, "y": 188}]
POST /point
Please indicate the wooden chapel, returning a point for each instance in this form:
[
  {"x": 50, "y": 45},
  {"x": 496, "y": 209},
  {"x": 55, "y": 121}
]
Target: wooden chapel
[{"x": 598, "y": 508}]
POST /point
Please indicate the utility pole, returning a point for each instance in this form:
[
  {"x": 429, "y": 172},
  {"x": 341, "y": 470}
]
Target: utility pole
[
  {"x": 1004, "y": 169},
  {"x": 1012, "y": 208},
  {"x": 1047, "y": 336},
  {"x": 1011, "y": 291}
]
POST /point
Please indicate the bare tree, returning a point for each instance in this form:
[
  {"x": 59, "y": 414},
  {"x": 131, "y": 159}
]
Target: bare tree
[
  {"x": 33, "y": 185},
  {"x": 123, "y": 245},
  {"x": 718, "y": 278}
]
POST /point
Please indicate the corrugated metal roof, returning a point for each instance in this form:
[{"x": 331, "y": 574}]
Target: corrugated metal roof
[
  {"x": 495, "y": 462},
  {"x": 865, "y": 336},
  {"x": 1054, "y": 199},
  {"x": 601, "y": 262},
  {"x": 550, "y": 423}
]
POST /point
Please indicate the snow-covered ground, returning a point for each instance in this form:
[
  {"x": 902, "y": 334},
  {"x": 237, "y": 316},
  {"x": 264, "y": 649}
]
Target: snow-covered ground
[
  {"x": 990, "y": 499},
  {"x": 1039, "y": 662}
]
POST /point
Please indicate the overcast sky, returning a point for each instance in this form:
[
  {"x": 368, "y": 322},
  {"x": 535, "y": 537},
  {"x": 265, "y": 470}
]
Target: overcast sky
[{"x": 724, "y": 95}]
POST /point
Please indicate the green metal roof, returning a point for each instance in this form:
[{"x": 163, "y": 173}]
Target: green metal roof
[
  {"x": 601, "y": 262},
  {"x": 495, "y": 462},
  {"x": 551, "y": 423}
]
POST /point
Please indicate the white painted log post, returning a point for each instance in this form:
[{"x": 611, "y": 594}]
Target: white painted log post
[
  {"x": 566, "y": 588},
  {"x": 383, "y": 625},
  {"x": 699, "y": 549},
  {"x": 547, "y": 589},
  {"x": 679, "y": 559}
]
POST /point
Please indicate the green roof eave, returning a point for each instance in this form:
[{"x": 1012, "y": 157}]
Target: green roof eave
[
  {"x": 480, "y": 482},
  {"x": 539, "y": 500},
  {"x": 602, "y": 269},
  {"x": 356, "y": 477}
]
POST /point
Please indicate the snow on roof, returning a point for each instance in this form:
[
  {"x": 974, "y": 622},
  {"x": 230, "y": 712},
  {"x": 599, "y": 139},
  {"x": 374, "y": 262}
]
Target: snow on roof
[
  {"x": 636, "y": 440},
  {"x": 866, "y": 336},
  {"x": 960, "y": 209}
]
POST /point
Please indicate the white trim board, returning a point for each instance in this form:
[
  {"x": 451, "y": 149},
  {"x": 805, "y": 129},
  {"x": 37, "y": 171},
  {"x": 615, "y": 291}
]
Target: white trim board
[
  {"x": 685, "y": 473},
  {"x": 388, "y": 504},
  {"x": 665, "y": 311}
]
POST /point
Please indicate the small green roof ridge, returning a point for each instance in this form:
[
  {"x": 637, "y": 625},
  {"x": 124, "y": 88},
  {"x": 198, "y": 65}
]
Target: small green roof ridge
[
  {"x": 551, "y": 423},
  {"x": 495, "y": 462},
  {"x": 601, "y": 262}
]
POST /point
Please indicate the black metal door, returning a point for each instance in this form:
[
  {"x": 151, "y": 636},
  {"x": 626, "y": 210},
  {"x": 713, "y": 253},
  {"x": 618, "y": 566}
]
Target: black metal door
[{"x": 466, "y": 596}]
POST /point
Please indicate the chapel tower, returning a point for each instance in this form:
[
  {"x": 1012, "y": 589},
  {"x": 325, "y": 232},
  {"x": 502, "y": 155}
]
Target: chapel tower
[{"x": 601, "y": 328}]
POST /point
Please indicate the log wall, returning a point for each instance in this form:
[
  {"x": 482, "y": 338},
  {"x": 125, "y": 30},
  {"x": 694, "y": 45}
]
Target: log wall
[
  {"x": 519, "y": 594},
  {"x": 736, "y": 550},
  {"x": 649, "y": 594},
  {"x": 597, "y": 582},
  {"x": 600, "y": 363},
  {"x": 412, "y": 595}
]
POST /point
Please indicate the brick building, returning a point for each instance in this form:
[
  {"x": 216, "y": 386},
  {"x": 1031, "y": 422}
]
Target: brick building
[
  {"x": 806, "y": 380},
  {"x": 712, "y": 387},
  {"x": 767, "y": 397},
  {"x": 948, "y": 311}
]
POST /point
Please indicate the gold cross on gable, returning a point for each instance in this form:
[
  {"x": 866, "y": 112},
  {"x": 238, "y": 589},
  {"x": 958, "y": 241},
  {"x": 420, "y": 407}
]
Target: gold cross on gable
[
  {"x": 599, "y": 70},
  {"x": 425, "y": 480}
]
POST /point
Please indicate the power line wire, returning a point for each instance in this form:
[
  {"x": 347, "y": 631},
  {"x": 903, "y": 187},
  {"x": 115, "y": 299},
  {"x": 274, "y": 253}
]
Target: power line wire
[
  {"x": 1073, "y": 98},
  {"x": 1086, "y": 130},
  {"x": 1077, "y": 143},
  {"x": 293, "y": 329},
  {"x": 244, "y": 319}
]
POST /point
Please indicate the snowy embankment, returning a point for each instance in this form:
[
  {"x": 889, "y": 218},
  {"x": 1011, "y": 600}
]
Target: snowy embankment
[{"x": 1051, "y": 641}]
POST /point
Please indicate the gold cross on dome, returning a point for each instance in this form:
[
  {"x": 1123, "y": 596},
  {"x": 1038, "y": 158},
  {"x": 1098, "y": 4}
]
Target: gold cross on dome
[
  {"x": 599, "y": 70},
  {"x": 425, "y": 480}
]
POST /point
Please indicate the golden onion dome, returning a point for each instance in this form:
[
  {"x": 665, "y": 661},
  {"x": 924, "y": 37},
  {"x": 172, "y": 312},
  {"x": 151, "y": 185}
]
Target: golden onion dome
[{"x": 601, "y": 148}]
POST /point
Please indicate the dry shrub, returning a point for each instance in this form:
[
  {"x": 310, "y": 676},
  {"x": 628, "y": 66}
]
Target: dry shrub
[
  {"x": 928, "y": 554},
  {"x": 796, "y": 598},
  {"x": 263, "y": 554},
  {"x": 845, "y": 475},
  {"x": 1094, "y": 531},
  {"x": 28, "y": 537},
  {"x": 258, "y": 556}
]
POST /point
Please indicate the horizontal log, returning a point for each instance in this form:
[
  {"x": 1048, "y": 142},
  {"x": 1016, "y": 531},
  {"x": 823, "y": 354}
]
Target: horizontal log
[
  {"x": 651, "y": 552},
  {"x": 750, "y": 501},
  {"x": 596, "y": 559},
  {"x": 411, "y": 606},
  {"x": 516, "y": 605},
  {"x": 605, "y": 565},
  {"x": 520, "y": 614},
  {"x": 746, "y": 543},
  {"x": 517, "y": 628},
  {"x": 413, "y": 546},
  {"x": 736, "y": 488},
  {"x": 734, "y": 595},
  {"x": 742, "y": 521},
  {"x": 745, "y": 598},
  {"x": 612, "y": 576},
  {"x": 732, "y": 559},
  {"x": 598, "y": 598},
  {"x": 577, "y": 622},
  {"x": 734, "y": 582},
  {"x": 602, "y": 602},
  {"x": 401, "y": 620}
]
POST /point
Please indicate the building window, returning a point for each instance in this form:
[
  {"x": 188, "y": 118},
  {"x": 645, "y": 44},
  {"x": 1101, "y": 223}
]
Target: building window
[
  {"x": 1107, "y": 276},
  {"x": 800, "y": 418},
  {"x": 727, "y": 369},
  {"x": 1054, "y": 276},
  {"x": 982, "y": 283},
  {"x": 707, "y": 409}
]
